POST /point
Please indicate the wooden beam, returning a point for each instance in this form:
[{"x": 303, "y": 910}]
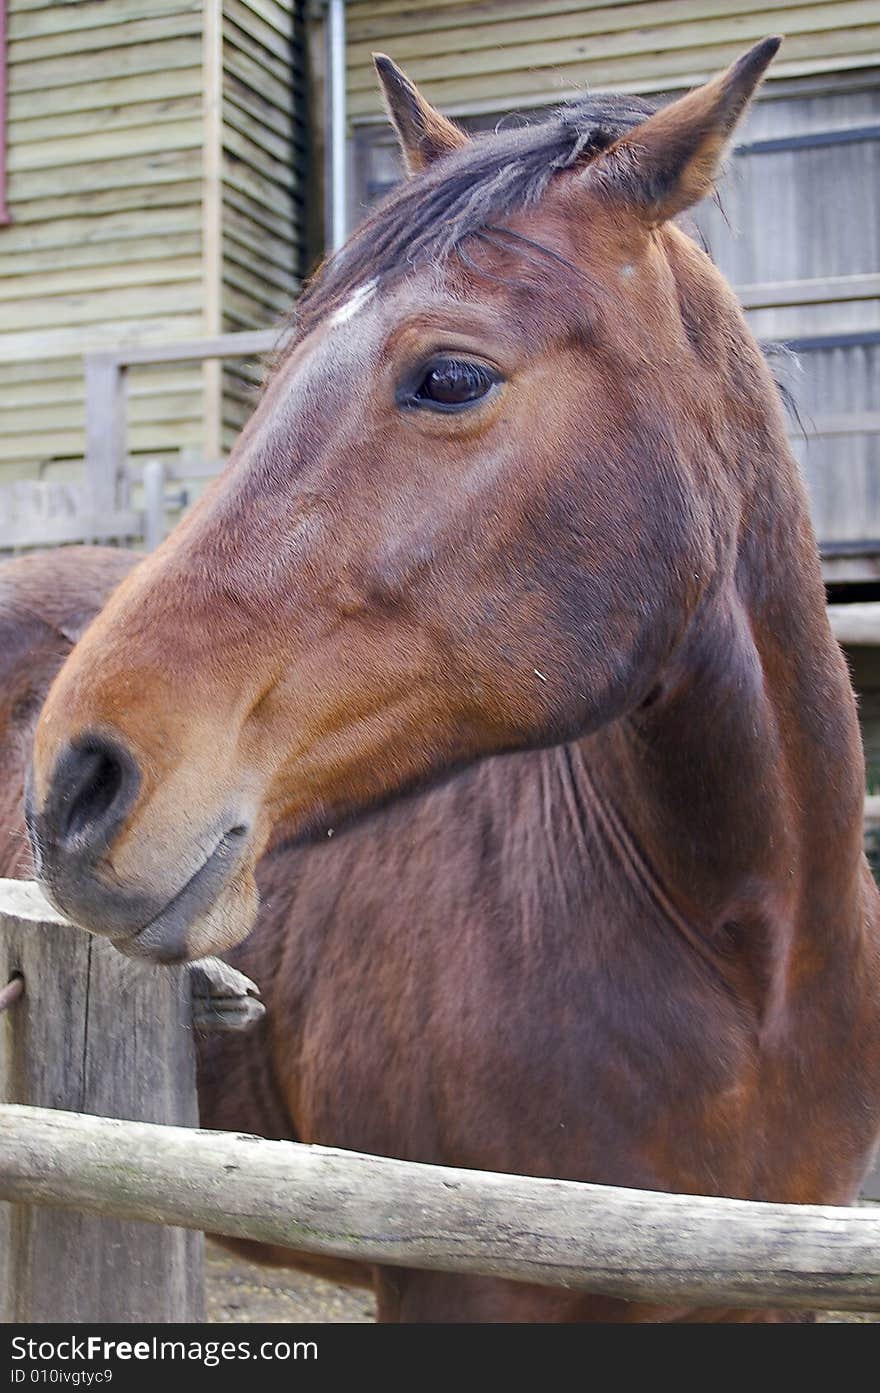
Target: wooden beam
[
  {"x": 105, "y": 430},
  {"x": 97, "y": 1032},
  {"x": 88, "y": 527},
  {"x": 856, "y": 624},
  {"x": 245, "y": 345},
  {"x": 828, "y": 291},
  {"x": 212, "y": 220},
  {"x": 639, "y": 1245}
]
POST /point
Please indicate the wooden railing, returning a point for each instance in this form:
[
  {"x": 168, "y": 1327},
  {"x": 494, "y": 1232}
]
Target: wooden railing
[
  {"x": 92, "y": 1033},
  {"x": 642, "y": 1245},
  {"x": 99, "y": 507},
  {"x": 105, "y": 398},
  {"x": 106, "y": 480}
]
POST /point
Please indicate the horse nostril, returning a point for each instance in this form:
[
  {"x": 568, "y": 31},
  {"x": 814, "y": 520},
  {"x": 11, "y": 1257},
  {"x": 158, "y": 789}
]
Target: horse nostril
[
  {"x": 94, "y": 785},
  {"x": 92, "y": 791}
]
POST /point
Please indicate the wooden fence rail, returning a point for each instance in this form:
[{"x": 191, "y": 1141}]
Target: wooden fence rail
[
  {"x": 101, "y": 1212},
  {"x": 640, "y": 1245}
]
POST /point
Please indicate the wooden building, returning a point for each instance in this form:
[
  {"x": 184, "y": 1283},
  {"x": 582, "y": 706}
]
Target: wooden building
[{"x": 156, "y": 158}]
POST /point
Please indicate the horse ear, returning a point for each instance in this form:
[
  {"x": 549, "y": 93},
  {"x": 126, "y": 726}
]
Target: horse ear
[
  {"x": 423, "y": 133},
  {"x": 671, "y": 161}
]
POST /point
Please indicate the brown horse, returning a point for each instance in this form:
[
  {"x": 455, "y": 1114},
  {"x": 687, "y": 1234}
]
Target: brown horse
[{"x": 520, "y": 485}]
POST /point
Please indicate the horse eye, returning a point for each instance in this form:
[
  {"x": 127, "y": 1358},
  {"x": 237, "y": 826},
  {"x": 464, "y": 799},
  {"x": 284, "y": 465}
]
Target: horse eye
[{"x": 452, "y": 383}]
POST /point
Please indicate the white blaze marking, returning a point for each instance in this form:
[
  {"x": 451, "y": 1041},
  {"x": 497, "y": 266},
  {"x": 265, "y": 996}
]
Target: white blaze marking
[{"x": 354, "y": 303}]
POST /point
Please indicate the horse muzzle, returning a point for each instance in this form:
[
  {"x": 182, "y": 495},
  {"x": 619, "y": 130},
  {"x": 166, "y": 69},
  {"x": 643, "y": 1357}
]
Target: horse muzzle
[{"x": 207, "y": 905}]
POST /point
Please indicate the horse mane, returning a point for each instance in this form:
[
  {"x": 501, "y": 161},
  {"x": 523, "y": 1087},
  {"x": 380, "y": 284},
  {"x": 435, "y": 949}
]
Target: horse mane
[{"x": 430, "y": 215}]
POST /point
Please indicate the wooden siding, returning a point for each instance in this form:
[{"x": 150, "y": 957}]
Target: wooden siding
[
  {"x": 805, "y": 215},
  {"x": 156, "y": 164},
  {"x": 262, "y": 175},
  {"x": 104, "y": 157},
  {"x": 491, "y": 55},
  {"x": 3, "y": 213}
]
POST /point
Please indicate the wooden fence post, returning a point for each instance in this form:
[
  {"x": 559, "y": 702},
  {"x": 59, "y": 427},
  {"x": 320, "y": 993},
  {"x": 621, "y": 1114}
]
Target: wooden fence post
[
  {"x": 105, "y": 430},
  {"x": 93, "y": 1032}
]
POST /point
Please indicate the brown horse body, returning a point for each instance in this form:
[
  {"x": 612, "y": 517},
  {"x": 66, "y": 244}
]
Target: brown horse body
[
  {"x": 381, "y": 1040},
  {"x": 641, "y": 947}
]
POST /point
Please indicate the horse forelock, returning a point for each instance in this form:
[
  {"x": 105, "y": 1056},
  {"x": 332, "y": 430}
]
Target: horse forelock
[{"x": 430, "y": 216}]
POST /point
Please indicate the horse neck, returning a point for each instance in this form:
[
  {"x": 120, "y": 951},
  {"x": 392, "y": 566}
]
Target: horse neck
[{"x": 736, "y": 798}]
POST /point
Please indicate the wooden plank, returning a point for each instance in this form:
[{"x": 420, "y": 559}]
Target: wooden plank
[
  {"x": 673, "y": 41},
  {"x": 661, "y": 70},
  {"x": 148, "y": 225},
  {"x": 844, "y": 423},
  {"x": 213, "y": 346},
  {"x": 180, "y": 403},
  {"x": 267, "y": 37},
  {"x": 830, "y": 290},
  {"x": 83, "y": 124},
  {"x": 241, "y": 230},
  {"x": 389, "y": 12},
  {"x": 145, "y": 389},
  {"x": 69, "y": 18},
  {"x": 243, "y": 268},
  {"x": 95, "y": 202},
  {"x": 183, "y": 51},
  {"x": 17, "y": 5},
  {"x": 267, "y": 114},
  {"x": 103, "y": 92},
  {"x": 859, "y": 625},
  {"x": 640, "y": 1245},
  {"x": 279, "y": 147},
  {"x": 171, "y": 166},
  {"x": 88, "y": 279},
  {"x": 105, "y": 430},
  {"x": 52, "y": 452},
  {"x": 245, "y": 150},
  {"x": 282, "y": 17},
  {"x": 126, "y": 145},
  {"x": 250, "y": 304},
  {"x": 504, "y": 30},
  {"x": 107, "y": 333},
  {"x": 74, "y": 527},
  {"x": 253, "y": 76},
  {"x": 136, "y": 29},
  {"x": 93, "y": 1031},
  {"x": 97, "y": 307},
  {"x": 134, "y": 252},
  {"x": 212, "y": 217},
  {"x": 261, "y": 214},
  {"x": 279, "y": 206},
  {"x": 244, "y": 43},
  {"x": 40, "y": 370}
]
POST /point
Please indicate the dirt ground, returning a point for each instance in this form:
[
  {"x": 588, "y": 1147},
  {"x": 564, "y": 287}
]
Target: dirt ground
[
  {"x": 237, "y": 1290},
  {"x": 241, "y": 1291}
]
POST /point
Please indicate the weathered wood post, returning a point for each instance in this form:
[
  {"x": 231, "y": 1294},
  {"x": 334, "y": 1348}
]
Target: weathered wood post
[{"x": 92, "y": 1032}]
